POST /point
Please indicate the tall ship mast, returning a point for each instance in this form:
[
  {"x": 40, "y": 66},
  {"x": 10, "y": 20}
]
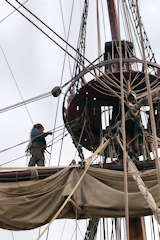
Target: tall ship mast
[{"x": 110, "y": 110}]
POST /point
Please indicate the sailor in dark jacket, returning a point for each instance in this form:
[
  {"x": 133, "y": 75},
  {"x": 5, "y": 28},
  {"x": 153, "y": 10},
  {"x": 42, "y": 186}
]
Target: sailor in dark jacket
[{"x": 38, "y": 145}]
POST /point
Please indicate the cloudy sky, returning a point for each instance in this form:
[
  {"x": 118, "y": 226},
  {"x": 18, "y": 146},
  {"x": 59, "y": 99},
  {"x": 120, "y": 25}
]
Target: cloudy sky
[{"x": 31, "y": 64}]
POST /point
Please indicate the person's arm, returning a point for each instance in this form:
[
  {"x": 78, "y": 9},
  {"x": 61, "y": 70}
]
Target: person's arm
[
  {"x": 46, "y": 134},
  {"x": 35, "y": 133},
  {"x": 155, "y": 96}
]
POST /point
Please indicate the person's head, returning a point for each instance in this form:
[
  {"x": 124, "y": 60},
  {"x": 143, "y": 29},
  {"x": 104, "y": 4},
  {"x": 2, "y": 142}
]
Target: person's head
[
  {"x": 39, "y": 127},
  {"x": 132, "y": 98}
]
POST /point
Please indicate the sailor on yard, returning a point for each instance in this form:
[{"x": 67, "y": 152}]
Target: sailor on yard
[{"x": 38, "y": 145}]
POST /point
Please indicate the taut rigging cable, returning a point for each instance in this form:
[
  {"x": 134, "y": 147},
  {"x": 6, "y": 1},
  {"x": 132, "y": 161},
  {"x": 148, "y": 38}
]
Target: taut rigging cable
[
  {"x": 16, "y": 83},
  {"x": 148, "y": 50},
  {"x": 19, "y": 144},
  {"x": 30, "y": 100},
  {"x": 64, "y": 61},
  {"x": 15, "y": 159},
  {"x": 3, "y": 19},
  {"x": 129, "y": 18},
  {"x": 123, "y": 131},
  {"x": 100, "y": 71},
  {"x": 33, "y": 99},
  {"x": 153, "y": 125},
  {"x": 104, "y": 27}
]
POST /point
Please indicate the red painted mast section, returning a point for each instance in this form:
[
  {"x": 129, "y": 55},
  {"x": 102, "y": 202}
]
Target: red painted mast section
[{"x": 113, "y": 19}]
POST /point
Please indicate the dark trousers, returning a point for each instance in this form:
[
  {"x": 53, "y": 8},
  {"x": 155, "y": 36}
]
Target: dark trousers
[{"x": 37, "y": 157}]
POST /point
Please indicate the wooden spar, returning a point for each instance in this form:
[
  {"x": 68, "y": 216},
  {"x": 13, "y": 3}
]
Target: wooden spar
[
  {"x": 135, "y": 224},
  {"x": 113, "y": 19},
  {"x": 29, "y": 174},
  {"x": 136, "y": 230}
]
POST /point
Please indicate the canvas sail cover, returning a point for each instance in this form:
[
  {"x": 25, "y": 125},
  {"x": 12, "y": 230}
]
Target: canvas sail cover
[{"x": 30, "y": 204}]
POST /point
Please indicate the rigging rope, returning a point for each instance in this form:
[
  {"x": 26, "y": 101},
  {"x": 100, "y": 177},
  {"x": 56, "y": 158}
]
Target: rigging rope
[
  {"x": 123, "y": 131},
  {"x": 78, "y": 146},
  {"x": 67, "y": 38},
  {"x": 104, "y": 27},
  {"x": 99, "y": 70},
  {"x": 81, "y": 45},
  {"x": 64, "y": 224},
  {"x": 13, "y": 160},
  {"x": 12, "y": 235},
  {"x": 129, "y": 17},
  {"x": 88, "y": 163},
  {"x": 19, "y": 144},
  {"x": 16, "y": 83},
  {"x": 147, "y": 47},
  {"x": 30, "y": 100},
  {"x": 98, "y": 29},
  {"x": 66, "y": 35},
  {"x": 3, "y": 19},
  {"x": 125, "y": 23},
  {"x": 153, "y": 126}
]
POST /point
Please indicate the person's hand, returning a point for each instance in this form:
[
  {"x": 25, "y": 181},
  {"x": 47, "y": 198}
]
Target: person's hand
[{"x": 50, "y": 133}]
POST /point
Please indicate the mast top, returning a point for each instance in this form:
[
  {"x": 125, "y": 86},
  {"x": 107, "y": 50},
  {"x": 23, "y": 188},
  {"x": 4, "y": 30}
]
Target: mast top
[{"x": 113, "y": 19}]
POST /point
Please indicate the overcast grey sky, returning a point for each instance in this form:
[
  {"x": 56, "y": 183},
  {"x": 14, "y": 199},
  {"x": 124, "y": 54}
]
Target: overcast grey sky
[{"x": 36, "y": 64}]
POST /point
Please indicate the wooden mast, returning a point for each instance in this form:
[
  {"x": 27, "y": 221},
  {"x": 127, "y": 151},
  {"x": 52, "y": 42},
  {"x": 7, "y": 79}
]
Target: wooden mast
[
  {"x": 136, "y": 231},
  {"x": 113, "y": 19},
  {"x": 136, "y": 228},
  {"x": 136, "y": 224}
]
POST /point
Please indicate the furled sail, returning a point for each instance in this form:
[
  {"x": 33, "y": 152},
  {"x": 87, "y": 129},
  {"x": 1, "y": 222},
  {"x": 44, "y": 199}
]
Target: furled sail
[{"x": 30, "y": 204}]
